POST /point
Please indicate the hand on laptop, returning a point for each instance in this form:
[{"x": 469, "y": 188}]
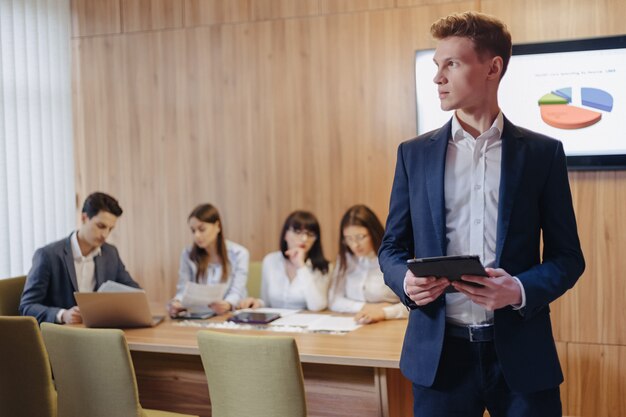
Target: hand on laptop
[{"x": 72, "y": 316}]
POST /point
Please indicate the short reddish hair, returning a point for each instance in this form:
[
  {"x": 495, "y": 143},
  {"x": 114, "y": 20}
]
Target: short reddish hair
[{"x": 489, "y": 34}]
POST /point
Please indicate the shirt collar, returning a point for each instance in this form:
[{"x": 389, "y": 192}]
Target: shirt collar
[
  {"x": 77, "y": 254},
  {"x": 495, "y": 131}
]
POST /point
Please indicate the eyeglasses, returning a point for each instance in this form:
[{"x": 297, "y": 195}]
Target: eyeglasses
[
  {"x": 303, "y": 233},
  {"x": 355, "y": 239}
]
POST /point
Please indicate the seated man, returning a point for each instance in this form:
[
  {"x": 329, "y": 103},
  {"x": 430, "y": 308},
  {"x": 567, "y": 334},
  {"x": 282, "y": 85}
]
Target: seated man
[{"x": 81, "y": 262}]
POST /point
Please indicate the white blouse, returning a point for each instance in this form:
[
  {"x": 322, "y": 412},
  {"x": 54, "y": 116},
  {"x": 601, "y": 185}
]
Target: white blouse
[
  {"x": 238, "y": 257},
  {"x": 308, "y": 289},
  {"x": 363, "y": 283}
]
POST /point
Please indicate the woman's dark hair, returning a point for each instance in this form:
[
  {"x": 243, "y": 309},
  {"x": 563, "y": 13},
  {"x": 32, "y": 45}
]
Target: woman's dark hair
[
  {"x": 97, "y": 202},
  {"x": 304, "y": 220},
  {"x": 359, "y": 215},
  {"x": 207, "y": 213}
]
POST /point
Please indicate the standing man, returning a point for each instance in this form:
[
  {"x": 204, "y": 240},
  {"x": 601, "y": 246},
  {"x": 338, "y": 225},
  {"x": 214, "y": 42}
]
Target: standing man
[
  {"x": 482, "y": 186},
  {"x": 81, "y": 262}
]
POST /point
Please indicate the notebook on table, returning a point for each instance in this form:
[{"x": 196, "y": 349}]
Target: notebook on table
[{"x": 115, "y": 309}]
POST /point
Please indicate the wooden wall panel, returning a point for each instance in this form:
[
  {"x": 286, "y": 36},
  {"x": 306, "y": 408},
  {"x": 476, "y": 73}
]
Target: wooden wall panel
[
  {"x": 139, "y": 15},
  {"x": 561, "y": 348},
  {"x": 536, "y": 20},
  {"x": 597, "y": 380},
  {"x": 95, "y": 17},
  {"x": 259, "y": 119},
  {"x": 342, "y": 6},
  {"x": 208, "y": 12},
  {"x": 275, "y": 9},
  {"x": 593, "y": 311}
]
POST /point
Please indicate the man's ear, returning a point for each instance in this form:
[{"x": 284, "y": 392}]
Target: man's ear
[
  {"x": 495, "y": 68},
  {"x": 84, "y": 218}
]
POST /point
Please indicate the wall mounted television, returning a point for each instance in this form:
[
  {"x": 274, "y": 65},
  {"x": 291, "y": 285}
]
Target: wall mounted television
[{"x": 572, "y": 90}]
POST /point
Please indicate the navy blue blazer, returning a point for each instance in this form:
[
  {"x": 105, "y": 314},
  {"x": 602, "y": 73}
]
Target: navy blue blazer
[
  {"x": 51, "y": 282},
  {"x": 534, "y": 199}
]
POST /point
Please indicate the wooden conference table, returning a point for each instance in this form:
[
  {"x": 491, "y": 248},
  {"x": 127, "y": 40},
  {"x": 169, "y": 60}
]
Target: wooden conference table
[{"x": 350, "y": 374}]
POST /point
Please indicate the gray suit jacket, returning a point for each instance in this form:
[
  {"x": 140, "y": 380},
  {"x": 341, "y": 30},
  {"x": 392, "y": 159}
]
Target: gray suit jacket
[{"x": 51, "y": 282}]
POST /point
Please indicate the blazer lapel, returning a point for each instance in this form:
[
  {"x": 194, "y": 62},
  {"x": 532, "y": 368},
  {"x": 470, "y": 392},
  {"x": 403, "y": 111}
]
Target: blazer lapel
[
  {"x": 68, "y": 258},
  {"x": 434, "y": 168},
  {"x": 99, "y": 269},
  {"x": 512, "y": 168}
]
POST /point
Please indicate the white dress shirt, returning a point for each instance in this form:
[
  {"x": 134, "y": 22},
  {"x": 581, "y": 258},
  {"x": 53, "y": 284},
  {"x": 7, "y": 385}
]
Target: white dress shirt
[
  {"x": 471, "y": 188},
  {"x": 85, "y": 270},
  {"x": 84, "y": 265},
  {"x": 308, "y": 289},
  {"x": 363, "y": 283}
]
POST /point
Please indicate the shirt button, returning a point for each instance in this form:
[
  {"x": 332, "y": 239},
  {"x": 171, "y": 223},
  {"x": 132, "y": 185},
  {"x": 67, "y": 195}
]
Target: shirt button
[
  {"x": 477, "y": 221},
  {"x": 477, "y": 187}
]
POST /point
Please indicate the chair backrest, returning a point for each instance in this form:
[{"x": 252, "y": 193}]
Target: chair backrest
[
  {"x": 254, "y": 279},
  {"x": 10, "y": 294},
  {"x": 93, "y": 371},
  {"x": 257, "y": 376},
  {"x": 26, "y": 387}
]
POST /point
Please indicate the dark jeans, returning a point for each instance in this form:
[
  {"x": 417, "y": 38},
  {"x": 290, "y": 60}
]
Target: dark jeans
[{"x": 469, "y": 379}]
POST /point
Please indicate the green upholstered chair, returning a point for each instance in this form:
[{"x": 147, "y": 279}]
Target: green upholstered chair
[
  {"x": 94, "y": 373},
  {"x": 26, "y": 387},
  {"x": 258, "y": 376},
  {"x": 254, "y": 279},
  {"x": 10, "y": 294}
]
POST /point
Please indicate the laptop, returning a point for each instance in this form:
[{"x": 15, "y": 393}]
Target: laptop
[{"x": 115, "y": 309}]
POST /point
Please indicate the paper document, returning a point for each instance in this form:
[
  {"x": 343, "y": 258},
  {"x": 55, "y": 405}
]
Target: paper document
[
  {"x": 318, "y": 322},
  {"x": 113, "y": 286},
  {"x": 298, "y": 320},
  {"x": 334, "y": 324},
  {"x": 201, "y": 295}
]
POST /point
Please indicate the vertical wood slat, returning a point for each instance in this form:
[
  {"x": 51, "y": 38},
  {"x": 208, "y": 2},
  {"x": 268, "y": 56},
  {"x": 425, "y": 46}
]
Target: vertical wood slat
[
  {"x": 411, "y": 3},
  {"x": 95, "y": 17},
  {"x": 343, "y": 6},
  {"x": 592, "y": 311},
  {"x": 208, "y": 12},
  {"x": 597, "y": 380},
  {"x": 140, "y": 15},
  {"x": 278, "y": 9},
  {"x": 535, "y": 20}
]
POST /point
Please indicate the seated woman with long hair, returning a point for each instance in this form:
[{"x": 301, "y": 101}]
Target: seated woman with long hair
[
  {"x": 358, "y": 285},
  {"x": 211, "y": 260},
  {"x": 295, "y": 277}
]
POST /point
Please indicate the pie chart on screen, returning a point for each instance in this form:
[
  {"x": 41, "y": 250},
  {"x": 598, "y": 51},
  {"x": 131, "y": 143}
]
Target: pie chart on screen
[{"x": 558, "y": 111}]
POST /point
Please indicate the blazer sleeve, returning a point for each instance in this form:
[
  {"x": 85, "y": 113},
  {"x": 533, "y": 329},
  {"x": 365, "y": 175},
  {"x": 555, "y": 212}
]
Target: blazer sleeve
[
  {"x": 121, "y": 274},
  {"x": 563, "y": 260},
  {"x": 397, "y": 245},
  {"x": 36, "y": 290}
]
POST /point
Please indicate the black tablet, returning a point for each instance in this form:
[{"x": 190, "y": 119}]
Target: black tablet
[
  {"x": 194, "y": 316},
  {"x": 251, "y": 317},
  {"x": 451, "y": 267}
]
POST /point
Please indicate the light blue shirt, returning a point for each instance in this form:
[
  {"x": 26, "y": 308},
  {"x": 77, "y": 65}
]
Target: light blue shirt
[{"x": 238, "y": 257}]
